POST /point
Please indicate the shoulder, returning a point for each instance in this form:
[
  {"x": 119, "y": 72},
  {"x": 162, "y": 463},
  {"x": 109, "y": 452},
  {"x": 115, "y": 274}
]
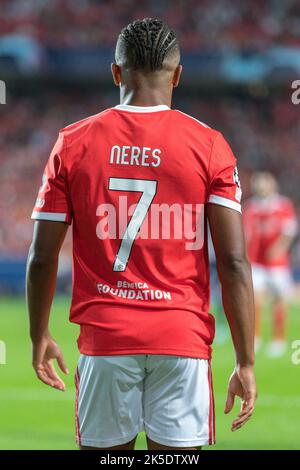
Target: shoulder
[
  {"x": 214, "y": 141},
  {"x": 194, "y": 123},
  {"x": 81, "y": 128}
]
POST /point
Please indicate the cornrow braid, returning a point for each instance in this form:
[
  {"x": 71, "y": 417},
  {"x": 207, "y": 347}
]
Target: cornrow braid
[{"x": 146, "y": 43}]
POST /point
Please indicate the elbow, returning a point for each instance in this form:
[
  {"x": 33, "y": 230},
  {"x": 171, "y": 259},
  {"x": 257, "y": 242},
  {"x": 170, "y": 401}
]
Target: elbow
[
  {"x": 39, "y": 260},
  {"x": 236, "y": 265}
]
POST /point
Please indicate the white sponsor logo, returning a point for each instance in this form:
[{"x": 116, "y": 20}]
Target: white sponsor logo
[{"x": 133, "y": 291}]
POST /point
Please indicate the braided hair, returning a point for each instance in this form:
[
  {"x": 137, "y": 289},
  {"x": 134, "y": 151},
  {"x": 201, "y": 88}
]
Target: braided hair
[{"x": 144, "y": 44}]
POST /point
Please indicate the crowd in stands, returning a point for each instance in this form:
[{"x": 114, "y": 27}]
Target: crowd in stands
[
  {"x": 263, "y": 135},
  {"x": 204, "y": 24}
]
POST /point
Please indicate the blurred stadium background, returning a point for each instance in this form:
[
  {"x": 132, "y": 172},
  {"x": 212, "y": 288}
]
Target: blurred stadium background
[{"x": 240, "y": 59}]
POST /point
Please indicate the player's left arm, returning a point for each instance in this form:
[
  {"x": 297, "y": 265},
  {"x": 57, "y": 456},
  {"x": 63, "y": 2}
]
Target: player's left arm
[
  {"x": 227, "y": 231},
  {"x": 41, "y": 274}
]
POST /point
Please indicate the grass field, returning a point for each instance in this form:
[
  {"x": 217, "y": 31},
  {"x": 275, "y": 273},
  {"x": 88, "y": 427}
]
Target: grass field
[{"x": 33, "y": 416}]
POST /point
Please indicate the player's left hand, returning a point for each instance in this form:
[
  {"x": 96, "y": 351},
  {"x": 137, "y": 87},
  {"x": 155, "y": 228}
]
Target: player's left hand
[
  {"x": 242, "y": 384},
  {"x": 44, "y": 351}
]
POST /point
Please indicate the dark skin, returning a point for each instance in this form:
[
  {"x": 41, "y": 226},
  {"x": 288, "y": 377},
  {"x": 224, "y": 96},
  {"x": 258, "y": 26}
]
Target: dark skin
[{"x": 140, "y": 88}]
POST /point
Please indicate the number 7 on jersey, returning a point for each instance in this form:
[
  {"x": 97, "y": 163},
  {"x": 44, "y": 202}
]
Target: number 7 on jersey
[{"x": 148, "y": 189}]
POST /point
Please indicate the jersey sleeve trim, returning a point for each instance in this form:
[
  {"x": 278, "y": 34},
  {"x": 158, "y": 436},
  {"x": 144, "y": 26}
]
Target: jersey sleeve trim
[
  {"x": 55, "y": 216},
  {"x": 223, "y": 201}
]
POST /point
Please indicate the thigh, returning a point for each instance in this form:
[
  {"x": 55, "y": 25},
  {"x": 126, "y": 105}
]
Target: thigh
[
  {"x": 178, "y": 401},
  {"x": 109, "y": 400}
]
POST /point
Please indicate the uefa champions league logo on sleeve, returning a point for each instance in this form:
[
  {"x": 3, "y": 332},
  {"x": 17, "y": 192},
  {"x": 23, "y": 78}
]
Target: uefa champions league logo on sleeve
[
  {"x": 2, "y": 92},
  {"x": 236, "y": 179}
]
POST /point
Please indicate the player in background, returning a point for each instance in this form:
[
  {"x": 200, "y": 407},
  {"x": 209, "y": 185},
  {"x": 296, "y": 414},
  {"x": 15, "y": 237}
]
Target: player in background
[
  {"x": 138, "y": 182},
  {"x": 271, "y": 226}
]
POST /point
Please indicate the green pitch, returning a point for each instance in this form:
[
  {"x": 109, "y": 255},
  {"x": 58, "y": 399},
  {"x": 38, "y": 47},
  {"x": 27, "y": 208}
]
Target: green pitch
[{"x": 33, "y": 416}]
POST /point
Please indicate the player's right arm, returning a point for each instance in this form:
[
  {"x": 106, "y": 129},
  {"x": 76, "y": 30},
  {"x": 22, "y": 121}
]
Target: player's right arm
[
  {"x": 41, "y": 274},
  {"x": 227, "y": 231},
  {"x": 52, "y": 214}
]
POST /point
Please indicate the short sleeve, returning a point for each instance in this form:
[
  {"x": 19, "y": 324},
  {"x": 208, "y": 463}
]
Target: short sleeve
[
  {"x": 224, "y": 187},
  {"x": 53, "y": 201}
]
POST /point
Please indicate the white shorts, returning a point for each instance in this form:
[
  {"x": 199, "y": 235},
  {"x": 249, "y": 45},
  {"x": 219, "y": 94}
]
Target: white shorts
[
  {"x": 274, "y": 280},
  {"x": 168, "y": 397}
]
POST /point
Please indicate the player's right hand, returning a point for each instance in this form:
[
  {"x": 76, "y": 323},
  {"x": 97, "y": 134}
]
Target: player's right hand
[
  {"x": 242, "y": 384},
  {"x": 44, "y": 351}
]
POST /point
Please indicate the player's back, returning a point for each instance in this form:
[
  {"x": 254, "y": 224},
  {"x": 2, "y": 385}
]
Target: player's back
[{"x": 135, "y": 181}]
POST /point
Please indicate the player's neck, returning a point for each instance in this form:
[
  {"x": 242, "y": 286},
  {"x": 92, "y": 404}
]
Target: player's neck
[{"x": 145, "y": 97}]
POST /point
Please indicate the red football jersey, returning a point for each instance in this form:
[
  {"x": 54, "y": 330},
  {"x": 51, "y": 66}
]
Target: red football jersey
[
  {"x": 134, "y": 182},
  {"x": 265, "y": 221}
]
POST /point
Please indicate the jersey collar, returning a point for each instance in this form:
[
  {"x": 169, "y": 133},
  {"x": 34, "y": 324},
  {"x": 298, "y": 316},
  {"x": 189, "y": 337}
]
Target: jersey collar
[{"x": 142, "y": 109}]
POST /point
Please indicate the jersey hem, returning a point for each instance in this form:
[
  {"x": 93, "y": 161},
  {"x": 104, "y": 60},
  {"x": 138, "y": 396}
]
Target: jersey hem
[{"x": 128, "y": 351}]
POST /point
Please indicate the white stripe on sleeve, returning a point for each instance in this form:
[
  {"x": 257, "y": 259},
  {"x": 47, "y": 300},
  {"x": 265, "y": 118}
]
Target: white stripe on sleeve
[
  {"x": 223, "y": 201},
  {"x": 55, "y": 216}
]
